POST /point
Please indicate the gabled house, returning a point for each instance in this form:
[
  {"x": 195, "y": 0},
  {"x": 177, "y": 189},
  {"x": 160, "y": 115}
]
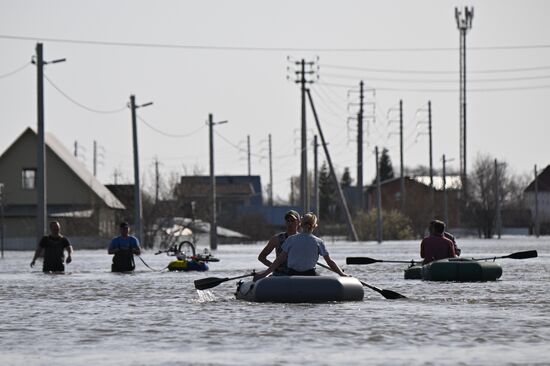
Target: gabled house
[
  {"x": 543, "y": 199},
  {"x": 75, "y": 198}
]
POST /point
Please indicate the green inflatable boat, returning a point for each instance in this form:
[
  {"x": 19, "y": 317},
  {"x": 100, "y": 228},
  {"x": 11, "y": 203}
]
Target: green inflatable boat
[{"x": 455, "y": 269}]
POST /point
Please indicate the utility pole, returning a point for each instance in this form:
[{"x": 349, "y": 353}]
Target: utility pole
[
  {"x": 378, "y": 199},
  {"x": 497, "y": 201},
  {"x": 316, "y": 177},
  {"x": 301, "y": 79},
  {"x": 401, "y": 169},
  {"x": 537, "y": 223},
  {"x": 248, "y": 152},
  {"x": 270, "y": 199},
  {"x": 41, "y": 214},
  {"x": 156, "y": 180},
  {"x": 463, "y": 23},
  {"x": 213, "y": 223},
  {"x": 445, "y": 203},
  {"x": 431, "y": 159},
  {"x": 95, "y": 158},
  {"x": 343, "y": 205},
  {"x": 360, "y": 199},
  {"x": 291, "y": 191},
  {"x": 138, "y": 211},
  {"x": 402, "y": 174}
]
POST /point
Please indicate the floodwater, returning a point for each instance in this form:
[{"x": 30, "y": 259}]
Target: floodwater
[{"x": 94, "y": 317}]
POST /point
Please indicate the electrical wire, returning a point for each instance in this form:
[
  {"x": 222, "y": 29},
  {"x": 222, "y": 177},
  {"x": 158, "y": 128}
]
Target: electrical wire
[
  {"x": 170, "y": 134},
  {"x": 15, "y": 71},
  {"x": 429, "y": 81},
  {"x": 409, "y": 71},
  {"x": 237, "y": 146},
  {"x": 80, "y": 104},
  {"x": 472, "y": 90},
  {"x": 272, "y": 49}
]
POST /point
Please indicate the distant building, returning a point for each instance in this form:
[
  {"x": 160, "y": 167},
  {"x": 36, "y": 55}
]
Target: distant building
[
  {"x": 543, "y": 182},
  {"x": 75, "y": 198},
  {"x": 232, "y": 193},
  {"x": 418, "y": 205}
]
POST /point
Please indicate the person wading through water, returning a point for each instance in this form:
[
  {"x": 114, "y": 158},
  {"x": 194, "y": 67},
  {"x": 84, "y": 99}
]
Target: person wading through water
[
  {"x": 292, "y": 222},
  {"x": 124, "y": 247},
  {"x": 53, "y": 246}
]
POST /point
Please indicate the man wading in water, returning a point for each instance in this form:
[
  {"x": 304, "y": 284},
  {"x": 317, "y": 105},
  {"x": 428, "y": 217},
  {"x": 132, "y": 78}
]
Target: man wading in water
[
  {"x": 54, "y": 246},
  {"x": 124, "y": 247},
  {"x": 292, "y": 222}
]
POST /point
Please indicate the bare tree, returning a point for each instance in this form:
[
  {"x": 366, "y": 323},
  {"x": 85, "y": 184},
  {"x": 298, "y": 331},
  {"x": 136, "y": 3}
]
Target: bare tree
[{"x": 481, "y": 208}]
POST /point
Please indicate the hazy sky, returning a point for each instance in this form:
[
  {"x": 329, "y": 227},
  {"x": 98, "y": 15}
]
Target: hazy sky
[{"x": 230, "y": 58}]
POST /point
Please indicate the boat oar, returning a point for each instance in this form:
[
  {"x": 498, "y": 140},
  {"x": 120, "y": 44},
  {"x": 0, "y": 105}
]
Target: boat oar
[
  {"x": 388, "y": 294},
  {"x": 209, "y": 282},
  {"x": 367, "y": 260},
  {"x": 518, "y": 255}
]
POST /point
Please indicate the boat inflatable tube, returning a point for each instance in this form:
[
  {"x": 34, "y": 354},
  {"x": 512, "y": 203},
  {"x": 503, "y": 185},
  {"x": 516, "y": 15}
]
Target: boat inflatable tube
[
  {"x": 455, "y": 269},
  {"x": 300, "y": 289},
  {"x": 184, "y": 265},
  {"x": 413, "y": 272},
  {"x": 461, "y": 270}
]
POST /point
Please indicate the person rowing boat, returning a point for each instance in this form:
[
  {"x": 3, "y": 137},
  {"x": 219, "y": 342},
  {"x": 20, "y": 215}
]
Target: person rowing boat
[{"x": 301, "y": 251}]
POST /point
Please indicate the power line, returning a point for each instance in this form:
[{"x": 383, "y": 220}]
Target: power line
[
  {"x": 270, "y": 49},
  {"x": 428, "y": 90},
  {"x": 170, "y": 134},
  {"x": 80, "y": 104},
  {"x": 15, "y": 71},
  {"x": 441, "y": 81},
  {"x": 410, "y": 71}
]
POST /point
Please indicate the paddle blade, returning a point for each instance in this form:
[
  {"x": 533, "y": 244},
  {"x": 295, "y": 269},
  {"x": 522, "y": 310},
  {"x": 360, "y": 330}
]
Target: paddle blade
[
  {"x": 360, "y": 260},
  {"x": 392, "y": 295},
  {"x": 209, "y": 282},
  {"x": 523, "y": 255}
]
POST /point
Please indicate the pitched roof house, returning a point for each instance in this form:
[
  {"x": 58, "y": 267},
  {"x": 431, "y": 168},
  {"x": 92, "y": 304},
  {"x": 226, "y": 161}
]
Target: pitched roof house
[{"x": 84, "y": 207}]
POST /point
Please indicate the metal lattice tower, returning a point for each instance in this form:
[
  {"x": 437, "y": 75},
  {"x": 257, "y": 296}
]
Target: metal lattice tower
[{"x": 463, "y": 23}]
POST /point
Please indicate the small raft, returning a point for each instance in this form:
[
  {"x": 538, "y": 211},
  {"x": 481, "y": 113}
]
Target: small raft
[
  {"x": 187, "y": 265},
  {"x": 300, "y": 289},
  {"x": 455, "y": 269}
]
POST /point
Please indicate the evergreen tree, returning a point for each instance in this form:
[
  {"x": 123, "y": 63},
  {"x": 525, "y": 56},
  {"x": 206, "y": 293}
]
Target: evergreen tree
[
  {"x": 327, "y": 193},
  {"x": 346, "y": 178},
  {"x": 385, "y": 166}
]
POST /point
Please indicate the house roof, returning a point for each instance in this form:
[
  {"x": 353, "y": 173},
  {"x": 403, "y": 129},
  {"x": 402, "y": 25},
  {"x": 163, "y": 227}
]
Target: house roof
[
  {"x": 225, "y": 185},
  {"x": 76, "y": 166},
  {"x": 543, "y": 181},
  {"x": 80, "y": 170}
]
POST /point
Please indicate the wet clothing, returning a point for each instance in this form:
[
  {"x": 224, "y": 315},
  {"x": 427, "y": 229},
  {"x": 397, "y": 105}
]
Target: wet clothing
[
  {"x": 123, "y": 260},
  {"x": 54, "y": 255},
  {"x": 303, "y": 252},
  {"x": 282, "y": 270},
  {"x": 435, "y": 247}
]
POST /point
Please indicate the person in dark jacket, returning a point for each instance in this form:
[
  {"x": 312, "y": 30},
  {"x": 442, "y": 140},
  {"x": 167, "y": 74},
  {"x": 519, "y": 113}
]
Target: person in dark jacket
[
  {"x": 436, "y": 246},
  {"x": 54, "y": 246}
]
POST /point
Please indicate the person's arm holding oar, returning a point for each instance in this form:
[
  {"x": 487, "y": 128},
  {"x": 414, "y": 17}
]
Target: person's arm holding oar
[{"x": 281, "y": 258}]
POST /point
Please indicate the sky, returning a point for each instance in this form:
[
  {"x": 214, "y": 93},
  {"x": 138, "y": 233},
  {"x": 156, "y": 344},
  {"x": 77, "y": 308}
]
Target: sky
[{"x": 236, "y": 60}]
